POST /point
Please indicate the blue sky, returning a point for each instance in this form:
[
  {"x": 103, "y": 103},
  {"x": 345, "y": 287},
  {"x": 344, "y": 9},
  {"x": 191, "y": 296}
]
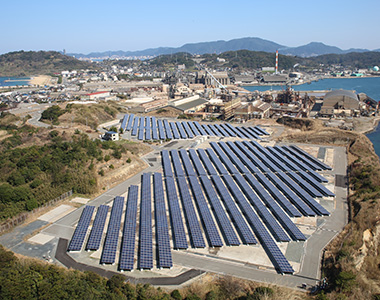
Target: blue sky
[{"x": 84, "y": 26}]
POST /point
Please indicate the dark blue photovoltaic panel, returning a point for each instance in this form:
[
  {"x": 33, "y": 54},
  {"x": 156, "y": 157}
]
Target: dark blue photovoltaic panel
[
  {"x": 81, "y": 230},
  {"x": 299, "y": 203},
  {"x": 194, "y": 128},
  {"x": 317, "y": 177},
  {"x": 311, "y": 158},
  {"x": 206, "y": 161},
  {"x": 237, "y": 132},
  {"x": 127, "y": 250},
  {"x": 96, "y": 234},
  {"x": 243, "y": 157},
  {"x": 242, "y": 168},
  {"x": 168, "y": 131},
  {"x": 319, "y": 209},
  {"x": 216, "y": 161},
  {"x": 262, "y": 157},
  {"x": 181, "y": 130},
  {"x": 283, "y": 159},
  {"x": 188, "y": 130},
  {"x": 280, "y": 198},
  {"x": 221, "y": 130},
  {"x": 270, "y": 156},
  {"x": 130, "y": 122},
  {"x": 302, "y": 158},
  {"x": 208, "y": 130},
  {"x": 269, "y": 245},
  {"x": 311, "y": 180},
  {"x": 162, "y": 231},
  {"x": 264, "y": 213},
  {"x": 124, "y": 121},
  {"x": 200, "y": 128},
  {"x": 219, "y": 213},
  {"x": 179, "y": 235},
  {"x": 177, "y": 163},
  {"x": 305, "y": 185},
  {"x": 112, "y": 237},
  {"x": 148, "y": 133},
  {"x": 204, "y": 212},
  {"x": 197, "y": 162},
  {"x": 174, "y": 130},
  {"x": 154, "y": 129},
  {"x": 146, "y": 245},
  {"x": 228, "y": 130},
  {"x": 254, "y": 159},
  {"x": 141, "y": 129},
  {"x": 214, "y": 130},
  {"x": 161, "y": 129},
  {"x": 239, "y": 222},
  {"x": 187, "y": 163},
  {"x": 227, "y": 162},
  {"x": 250, "y": 132},
  {"x": 254, "y": 130},
  {"x": 166, "y": 164},
  {"x": 282, "y": 218},
  {"x": 135, "y": 126},
  {"x": 191, "y": 217},
  {"x": 300, "y": 165},
  {"x": 262, "y": 130}
]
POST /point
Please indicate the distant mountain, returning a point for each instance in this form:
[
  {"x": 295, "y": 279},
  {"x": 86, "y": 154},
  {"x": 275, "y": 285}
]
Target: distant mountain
[
  {"x": 26, "y": 63},
  {"x": 217, "y": 47}
]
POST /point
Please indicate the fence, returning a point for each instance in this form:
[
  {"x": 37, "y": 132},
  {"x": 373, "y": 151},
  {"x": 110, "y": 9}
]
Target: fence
[{"x": 21, "y": 218}]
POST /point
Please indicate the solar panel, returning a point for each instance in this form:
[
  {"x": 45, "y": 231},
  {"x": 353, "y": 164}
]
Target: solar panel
[
  {"x": 247, "y": 162},
  {"x": 305, "y": 185},
  {"x": 141, "y": 129},
  {"x": 174, "y": 130},
  {"x": 302, "y": 158},
  {"x": 280, "y": 198},
  {"x": 191, "y": 217},
  {"x": 317, "y": 177},
  {"x": 236, "y": 216},
  {"x": 282, "y": 218},
  {"x": 161, "y": 129},
  {"x": 204, "y": 212},
  {"x": 200, "y": 128},
  {"x": 311, "y": 158},
  {"x": 145, "y": 241},
  {"x": 254, "y": 130},
  {"x": 197, "y": 162},
  {"x": 187, "y": 129},
  {"x": 124, "y": 121},
  {"x": 318, "y": 186},
  {"x": 219, "y": 212},
  {"x": 214, "y": 130},
  {"x": 177, "y": 163},
  {"x": 194, "y": 128},
  {"x": 221, "y": 130},
  {"x": 228, "y": 130},
  {"x": 244, "y": 133},
  {"x": 319, "y": 209},
  {"x": 208, "y": 130},
  {"x": 135, "y": 126},
  {"x": 264, "y": 132},
  {"x": 216, "y": 161},
  {"x": 112, "y": 237},
  {"x": 187, "y": 163},
  {"x": 232, "y": 157},
  {"x": 181, "y": 130},
  {"x": 300, "y": 165},
  {"x": 227, "y": 162},
  {"x": 154, "y": 129},
  {"x": 270, "y": 156},
  {"x": 293, "y": 198},
  {"x": 206, "y": 161},
  {"x": 272, "y": 250},
  {"x": 254, "y": 159},
  {"x": 262, "y": 157},
  {"x": 250, "y": 132},
  {"x": 168, "y": 131},
  {"x": 130, "y": 122},
  {"x": 166, "y": 164},
  {"x": 264, "y": 213},
  {"x": 283, "y": 159},
  {"x": 81, "y": 229},
  {"x": 162, "y": 233},
  {"x": 179, "y": 235},
  {"x": 96, "y": 234},
  {"x": 148, "y": 133},
  {"x": 127, "y": 250},
  {"x": 234, "y": 130}
]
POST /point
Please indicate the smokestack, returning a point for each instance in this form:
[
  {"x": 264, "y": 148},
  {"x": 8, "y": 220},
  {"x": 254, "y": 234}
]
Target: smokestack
[{"x": 276, "y": 61}]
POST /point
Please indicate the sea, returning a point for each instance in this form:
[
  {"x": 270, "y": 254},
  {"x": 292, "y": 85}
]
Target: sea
[{"x": 13, "y": 81}]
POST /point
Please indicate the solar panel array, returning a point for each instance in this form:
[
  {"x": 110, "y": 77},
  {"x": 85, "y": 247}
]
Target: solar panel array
[
  {"x": 81, "y": 229},
  {"x": 112, "y": 237},
  {"x": 96, "y": 234},
  {"x": 157, "y": 129}
]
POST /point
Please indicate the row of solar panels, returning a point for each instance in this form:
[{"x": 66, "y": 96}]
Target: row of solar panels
[
  {"x": 150, "y": 128},
  {"x": 127, "y": 249}
]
